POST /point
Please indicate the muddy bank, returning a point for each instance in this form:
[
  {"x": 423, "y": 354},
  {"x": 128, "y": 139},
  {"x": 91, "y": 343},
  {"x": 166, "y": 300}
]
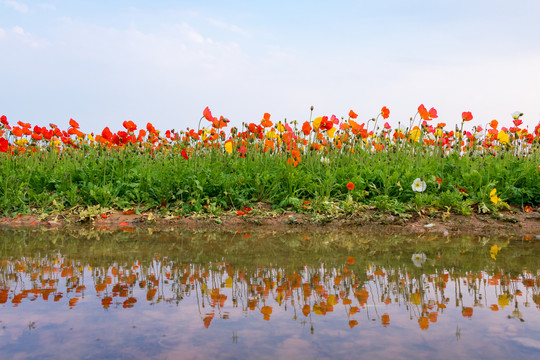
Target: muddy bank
[{"x": 514, "y": 223}]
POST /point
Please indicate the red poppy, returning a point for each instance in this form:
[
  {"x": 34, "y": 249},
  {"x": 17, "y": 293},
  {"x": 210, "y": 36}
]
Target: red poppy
[
  {"x": 106, "y": 133},
  {"x": 466, "y": 116},
  {"x": 129, "y": 125},
  {"x": 184, "y": 154},
  {"x": 350, "y": 186},
  {"x": 151, "y": 129},
  {"x": 3, "y": 119},
  {"x": 4, "y": 145},
  {"x": 306, "y": 128},
  {"x": 242, "y": 151},
  {"x": 240, "y": 213},
  {"x": 73, "y": 123}
]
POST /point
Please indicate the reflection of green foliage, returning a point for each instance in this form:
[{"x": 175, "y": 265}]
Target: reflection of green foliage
[{"x": 293, "y": 249}]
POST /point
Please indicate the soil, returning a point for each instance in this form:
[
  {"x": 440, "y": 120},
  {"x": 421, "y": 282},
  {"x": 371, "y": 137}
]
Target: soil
[{"x": 511, "y": 223}]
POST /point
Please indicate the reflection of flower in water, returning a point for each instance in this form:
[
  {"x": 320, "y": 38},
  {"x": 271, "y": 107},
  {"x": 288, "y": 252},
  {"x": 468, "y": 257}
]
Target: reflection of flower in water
[
  {"x": 419, "y": 259},
  {"x": 494, "y": 251}
]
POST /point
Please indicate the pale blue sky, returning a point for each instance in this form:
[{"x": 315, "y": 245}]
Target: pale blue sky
[{"x": 103, "y": 62}]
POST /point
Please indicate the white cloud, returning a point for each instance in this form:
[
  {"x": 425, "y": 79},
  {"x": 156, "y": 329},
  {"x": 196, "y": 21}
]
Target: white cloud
[
  {"x": 47, "y": 6},
  {"x": 17, "y": 6},
  {"x": 193, "y": 35},
  {"x": 28, "y": 38},
  {"x": 2, "y": 33},
  {"x": 226, "y": 26},
  {"x": 18, "y": 30}
]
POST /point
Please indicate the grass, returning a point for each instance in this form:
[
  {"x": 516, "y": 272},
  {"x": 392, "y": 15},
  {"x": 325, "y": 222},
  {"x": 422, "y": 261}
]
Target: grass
[{"x": 48, "y": 181}]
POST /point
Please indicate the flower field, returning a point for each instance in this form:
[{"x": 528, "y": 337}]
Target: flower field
[{"x": 324, "y": 164}]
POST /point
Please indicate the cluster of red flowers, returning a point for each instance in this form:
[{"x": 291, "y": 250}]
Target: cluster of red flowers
[{"x": 325, "y": 134}]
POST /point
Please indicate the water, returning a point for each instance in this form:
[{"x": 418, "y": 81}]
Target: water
[{"x": 172, "y": 294}]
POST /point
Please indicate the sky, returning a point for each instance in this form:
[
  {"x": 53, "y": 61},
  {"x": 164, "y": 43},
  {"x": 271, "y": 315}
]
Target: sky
[{"x": 104, "y": 62}]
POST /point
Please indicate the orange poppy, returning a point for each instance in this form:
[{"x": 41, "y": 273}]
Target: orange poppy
[
  {"x": 266, "y": 120},
  {"x": 350, "y": 186},
  {"x": 385, "y": 112},
  {"x": 36, "y": 136},
  {"x": 207, "y": 114},
  {"x": 17, "y": 131}
]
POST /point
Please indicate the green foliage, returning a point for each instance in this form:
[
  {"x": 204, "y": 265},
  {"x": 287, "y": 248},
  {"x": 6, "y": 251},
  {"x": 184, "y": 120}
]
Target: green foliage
[{"x": 214, "y": 181}]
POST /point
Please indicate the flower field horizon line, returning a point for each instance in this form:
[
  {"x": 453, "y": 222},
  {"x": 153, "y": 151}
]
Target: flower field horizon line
[{"x": 323, "y": 133}]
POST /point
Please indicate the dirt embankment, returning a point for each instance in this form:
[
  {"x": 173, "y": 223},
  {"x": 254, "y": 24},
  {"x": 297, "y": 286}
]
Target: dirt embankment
[{"x": 515, "y": 223}]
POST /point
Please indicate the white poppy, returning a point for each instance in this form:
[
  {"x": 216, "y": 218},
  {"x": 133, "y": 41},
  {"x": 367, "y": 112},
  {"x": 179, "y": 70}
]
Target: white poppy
[
  {"x": 517, "y": 114},
  {"x": 419, "y": 185}
]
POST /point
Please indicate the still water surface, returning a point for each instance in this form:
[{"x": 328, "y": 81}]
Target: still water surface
[{"x": 171, "y": 295}]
